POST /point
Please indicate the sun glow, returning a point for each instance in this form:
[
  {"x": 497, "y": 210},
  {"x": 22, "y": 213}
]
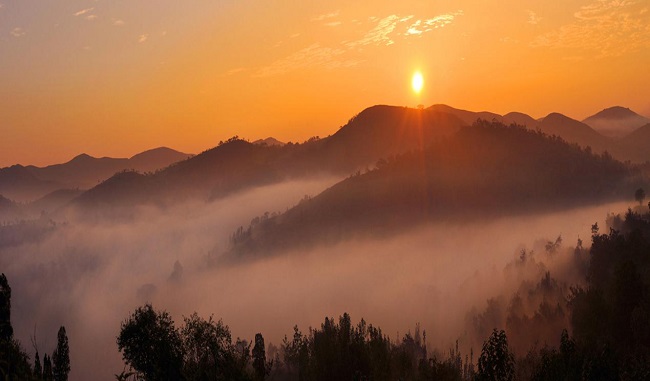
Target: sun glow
[{"x": 417, "y": 82}]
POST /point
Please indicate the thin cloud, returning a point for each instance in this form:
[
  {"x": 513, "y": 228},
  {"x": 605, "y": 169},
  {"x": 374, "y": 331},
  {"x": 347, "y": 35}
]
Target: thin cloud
[
  {"x": 91, "y": 17},
  {"x": 533, "y": 18},
  {"x": 313, "y": 55},
  {"x": 326, "y": 16},
  {"x": 235, "y": 71},
  {"x": 118, "y": 22},
  {"x": 379, "y": 35},
  {"x": 17, "y": 32},
  {"x": 604, "y": 28},
  {"x": 423, "y": 26},
  {"x": 331, "y": 57},
  {"x": 143, "y": 38},
  {"x": 84, "y": 11}
]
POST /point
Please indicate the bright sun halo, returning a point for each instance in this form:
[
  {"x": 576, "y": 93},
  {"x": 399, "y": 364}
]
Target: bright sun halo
[{"x": 417, "y": 82}]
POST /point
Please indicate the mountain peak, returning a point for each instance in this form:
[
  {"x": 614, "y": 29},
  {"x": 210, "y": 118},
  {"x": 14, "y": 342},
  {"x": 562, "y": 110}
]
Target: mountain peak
[
  {"x": 81, "y": 157},
  {"x": 616, "y": 121},
  {"x": 554, "y": 116},
  {"x": 270, "y": 141},
  {"x": 616, "y": 112}
]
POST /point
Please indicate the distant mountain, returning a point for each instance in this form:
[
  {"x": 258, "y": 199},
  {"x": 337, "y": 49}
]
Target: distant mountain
[
  {"x": 635, "y": 146},
  {"x": 19, "y": 184},
  {"x": 269, "y": 142},
  {"x": 481, "y": 172},
  {"x": 9, "y": 210},
  {"x": 574, "y": 131},
  {"x": 52, "y": 201},
  {"x": 468, "y": 117},
  {"x": 28, "y": 183},
  {"x": 375, "y": 133},
  {"x": 616, "y": 121},
  {"x": 155, "y": 159},
  {"x": 520, "y": 119}
]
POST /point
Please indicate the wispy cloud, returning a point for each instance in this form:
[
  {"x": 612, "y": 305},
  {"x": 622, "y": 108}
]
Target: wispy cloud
[
  {"x": 533, "y": 18},
  {"x": 379, "y": 35},
  {"x": 427, "y": 25},
  {"x": 604, "y": 27},
  {"x": 380, "y": 32},
  {"x": 313, "y": 55},
  {"x": 17, "y": 32},
  {"x": 143, "y": 37},
  {"x": 84, "y": 11},
  {"x": 326, "y": 16},
  {"x": 235, "y": 71},
  {"x": 118, "y": 22}
]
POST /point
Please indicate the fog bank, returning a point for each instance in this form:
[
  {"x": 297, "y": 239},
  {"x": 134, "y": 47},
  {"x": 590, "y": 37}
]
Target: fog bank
[{"x": 89, "y": 277}]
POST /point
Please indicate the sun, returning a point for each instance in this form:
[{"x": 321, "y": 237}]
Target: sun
[{"x": 417, "y": 82}]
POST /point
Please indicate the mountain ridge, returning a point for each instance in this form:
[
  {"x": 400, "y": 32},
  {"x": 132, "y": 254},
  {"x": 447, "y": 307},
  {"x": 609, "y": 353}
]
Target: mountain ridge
[{"x": 28, "y": 183}]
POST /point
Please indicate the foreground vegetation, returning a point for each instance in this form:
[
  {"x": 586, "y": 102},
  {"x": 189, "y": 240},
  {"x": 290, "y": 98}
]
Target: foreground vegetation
[
  {"x": 607, "y": 336},
  {"x": 608, "y": 321}
]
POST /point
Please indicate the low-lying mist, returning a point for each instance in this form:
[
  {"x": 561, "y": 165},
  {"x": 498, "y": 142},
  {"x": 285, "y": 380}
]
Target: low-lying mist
[{"x": 91, "y": 276}]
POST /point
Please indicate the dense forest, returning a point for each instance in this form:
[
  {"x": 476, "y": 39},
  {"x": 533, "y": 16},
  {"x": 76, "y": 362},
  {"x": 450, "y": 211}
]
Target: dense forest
[{"x": 605, "y": 335}]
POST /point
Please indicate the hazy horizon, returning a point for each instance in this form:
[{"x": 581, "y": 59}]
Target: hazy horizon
[{"x": 113, "y": 79}]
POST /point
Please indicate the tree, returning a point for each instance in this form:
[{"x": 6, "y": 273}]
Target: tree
[
  {"x": 151, "y": 345},
  {"x": 496, "y": 362},
  {"x": 61, "y": 357},
  {"x": 209, "y": 353},
  {"x": 260, "y": 366},
  {"x": 639, "y": 195},
  {"x": 6, "y": 330},
  {"x": 47, "y": 368},
  {"x": 38, "y": 370}
]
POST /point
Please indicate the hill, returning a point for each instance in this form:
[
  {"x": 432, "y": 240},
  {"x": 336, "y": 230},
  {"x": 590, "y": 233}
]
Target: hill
[
  {"x": 635, "y": 146},
  {"x": 19, "y": 183},
  {"x": 269, "y": 142},
  {"x": 375, "y": 133},
  {"x": 155, "y": 159},
  {"x": 468, "y": 117},
  {"x": 573, "y": 131},
  {"x": 28, "y": 183},
  {"x": 483, "y": 171},
  {"x": 616, "y": 121}
]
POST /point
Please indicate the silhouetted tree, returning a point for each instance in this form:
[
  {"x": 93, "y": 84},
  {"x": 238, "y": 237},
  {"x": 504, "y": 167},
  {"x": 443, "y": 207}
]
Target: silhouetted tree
[
  {"x": 14, "y": 362},
  {"x": 496, "y": 362},
  {"x": 47, "y": 368},
  {"x": 260, "y": 366},
  {"x": 209, "y": 353},
  {"x": 38, "y": 369},
  {"x": 151, "y": 345},
  {"x": 6, "y": 330},
  {"x": 639, "y": 195},
  {"x": 61, "y": 357}
]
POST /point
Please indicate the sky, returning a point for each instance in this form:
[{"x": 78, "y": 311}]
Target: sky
[{"x": 114, "y": 78}]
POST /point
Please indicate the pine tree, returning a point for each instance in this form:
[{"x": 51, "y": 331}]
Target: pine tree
[
  {"x": 47, "y": 368},
  {"x": 6, "y": 331},
  {"x": 61, "y": 357},
  {"x": 38, "y": 370},
  {"x": 260, "y": 366},
  {"x": 496, "y": 362}
]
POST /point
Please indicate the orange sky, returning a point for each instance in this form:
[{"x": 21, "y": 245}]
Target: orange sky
[{"x": 113, "y": 78}]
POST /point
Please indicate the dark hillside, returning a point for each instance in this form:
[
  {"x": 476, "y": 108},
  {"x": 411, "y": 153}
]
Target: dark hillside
[
  {"x": 483, "y": 171},
  {"x": 377, "y": 132}
]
